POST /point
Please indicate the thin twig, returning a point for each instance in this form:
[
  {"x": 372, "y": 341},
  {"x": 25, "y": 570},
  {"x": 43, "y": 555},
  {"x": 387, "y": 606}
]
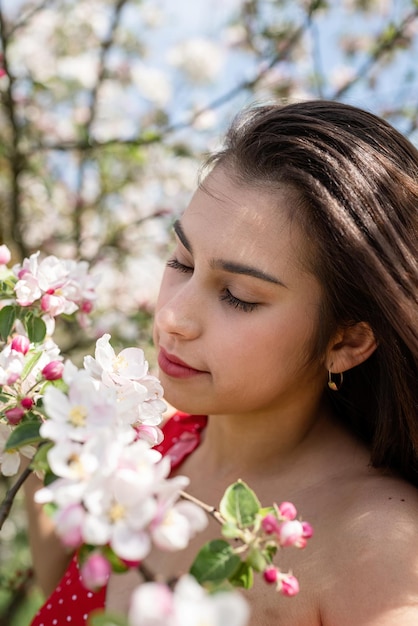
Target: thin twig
[
  {"x": 15, "y": 157},
  {"x": 26, "y": 17},
  {"x": 211, "y": 510},
  {"x": 383, "y": 47},
  {"x": 245, "y": 85},
  {"x": 6, "y": 505},
  {"x": 84, "y": 155}
]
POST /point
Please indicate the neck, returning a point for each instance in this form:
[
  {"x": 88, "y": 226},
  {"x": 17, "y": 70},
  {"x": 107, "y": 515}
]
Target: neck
[{"x": 258, "y": 443}]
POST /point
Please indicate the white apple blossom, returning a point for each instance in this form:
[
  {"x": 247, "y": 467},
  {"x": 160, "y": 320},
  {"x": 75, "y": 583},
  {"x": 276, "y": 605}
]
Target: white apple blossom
[
  {"x": 11, "y": 365},
  {"x": 153, "y": 84},
  {"x": 120, "y": 501},
  {"x": 127, "y": 374},
  {"x": 88, "y": 407},
  {"x": 73, "y": 460},
  {"x": 199, "y": 57},
  {"x": 62, "y": 286},
  {"x": 175, "y": 524},
  {"x": 154, "y": 604},
  {"x": 10, "y": 459},
  {"x": 81, "y": 67}
]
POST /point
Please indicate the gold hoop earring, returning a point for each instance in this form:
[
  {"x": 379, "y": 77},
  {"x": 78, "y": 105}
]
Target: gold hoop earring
[{"x": 335, "y": 385}]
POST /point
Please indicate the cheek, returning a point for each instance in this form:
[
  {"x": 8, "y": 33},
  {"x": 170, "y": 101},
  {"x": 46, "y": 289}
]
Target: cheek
[{"x": 272, "y": 344}]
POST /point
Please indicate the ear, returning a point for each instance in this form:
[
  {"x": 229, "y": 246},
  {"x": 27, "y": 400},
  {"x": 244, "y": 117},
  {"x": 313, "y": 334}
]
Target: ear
[{"x": 349, "y": 347}]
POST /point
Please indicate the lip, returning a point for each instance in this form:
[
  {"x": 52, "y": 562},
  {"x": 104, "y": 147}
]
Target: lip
[{"x": 175, "y": 367}]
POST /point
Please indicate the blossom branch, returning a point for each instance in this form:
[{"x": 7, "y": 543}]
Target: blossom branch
[
  {"x": 15, "y": 158},
  {"x": 6, "y": 505},
  {"x": 386, "y": 43},
  {"x": 209, "y": 509}
]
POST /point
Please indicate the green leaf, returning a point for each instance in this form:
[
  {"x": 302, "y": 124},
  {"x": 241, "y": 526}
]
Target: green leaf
[
  {"x": 230, "y": 530},
  {"x": 24, "y": 434},
  {"x": 215, "y": 562},
  {"x": 40, "y": 460},
  {"x": 30, "y": 362},
  {"x": 239, "y": 505},
  {"x": 107, "y": 619},
  {"x": 35, "y": 327},
  {"x": 256, "y": 559},
  {"x": 7, "y": 319},
  {"x": 117, "y": 564},
  {"x": 243, "y": 576}
]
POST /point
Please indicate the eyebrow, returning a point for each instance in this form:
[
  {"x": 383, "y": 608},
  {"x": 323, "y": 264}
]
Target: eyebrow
[{"x": 228, "y": 266}]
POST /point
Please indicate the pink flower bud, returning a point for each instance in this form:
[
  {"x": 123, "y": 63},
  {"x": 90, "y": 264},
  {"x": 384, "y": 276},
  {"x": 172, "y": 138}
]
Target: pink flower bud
[
  {"x": 45, "y": 302},
  {"x": 130, "y": 563},
  {"x": 53, "y": 370},
  {"x": 20, "y": 343},
  {"x": 270, "y": 574},
  {"x": 5, "y": 255},
  {"x": 151, "y": 434},
  {"x": 12, "y": 378},
  {"x": 270, "y": 524},
  {"x": 87, "y": 306},
  {"x": 307, "y": 530},
  {"x": 14, "y": 415},
  {"x": 291, "y": 534},
  {"x": 22, "y": 272},
  {"x": 289, "y": 585},
  {"x": 95, "y": 572},
  {"x": 27, "y": 403},
  {"x": 287, "y": 510}
]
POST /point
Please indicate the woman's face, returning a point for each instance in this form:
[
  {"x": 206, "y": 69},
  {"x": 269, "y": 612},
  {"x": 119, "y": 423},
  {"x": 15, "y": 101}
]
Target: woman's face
[{"x": 237, "y": 313}]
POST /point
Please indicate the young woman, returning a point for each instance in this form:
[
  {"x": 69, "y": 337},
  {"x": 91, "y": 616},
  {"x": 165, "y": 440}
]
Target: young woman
[{"x": 288, "y": 315}]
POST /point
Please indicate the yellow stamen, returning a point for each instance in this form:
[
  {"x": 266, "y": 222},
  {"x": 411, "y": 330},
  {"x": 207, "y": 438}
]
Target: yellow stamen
[
  {"x": 78, "y": 415},
  {"x": 119, "y": 364},
  {"x": 116, "y": 512}
]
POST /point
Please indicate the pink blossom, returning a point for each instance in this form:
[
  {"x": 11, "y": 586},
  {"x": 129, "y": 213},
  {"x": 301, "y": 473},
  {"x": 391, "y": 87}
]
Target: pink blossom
[
  {"x": 61, "y": 285},
  {"x": 95, "y": 572},
  {"x": 289, "y": 585},
  {"x": 189, "y": 603},
  {"x": 270, "y": 524},
  {"x": 53, "y": 370},
  {"x": 5, "y": 255},
  {"x": 86, "y": 306},
  {"x": 68, "y": 522},
  {"x": 270, "y": 574},
  {"x": 152, "y": 603},
  {"x": 14, "y": 416},
  {"x": 21, "y": 343},
  {"x": 27, "y": 403},
  {"x": 287, "y": 510},
  {"x": 151, "y": 434},
  {"x": 11, "y": 365},
  {"x": 131, "y": 562},
  {"x": 12, "y": 378},
  {"x": 307, "y": 530},
  {"x": 27, "y": 289},
  {"x": 291, "y": 534}
]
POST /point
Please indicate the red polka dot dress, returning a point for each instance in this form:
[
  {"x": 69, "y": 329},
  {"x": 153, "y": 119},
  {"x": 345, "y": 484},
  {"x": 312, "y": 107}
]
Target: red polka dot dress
[{"x": 71, "y": 604}]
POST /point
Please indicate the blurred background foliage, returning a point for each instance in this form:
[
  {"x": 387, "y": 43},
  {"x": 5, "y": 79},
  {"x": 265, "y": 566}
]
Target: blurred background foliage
[{"x": 106, "y": 109}]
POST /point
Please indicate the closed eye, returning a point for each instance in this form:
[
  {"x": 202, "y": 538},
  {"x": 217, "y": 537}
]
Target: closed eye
[
  {"x": 226, "y": 296},
  {"x": 241, "y": 305},
  {"x": 180, "y": 267}
]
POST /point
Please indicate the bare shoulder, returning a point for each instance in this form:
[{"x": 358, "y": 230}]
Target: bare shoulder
[{"x": 373, "y": 554}]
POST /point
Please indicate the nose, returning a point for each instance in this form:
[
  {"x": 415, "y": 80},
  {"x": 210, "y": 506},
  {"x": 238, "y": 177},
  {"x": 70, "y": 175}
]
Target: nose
[{"x": 179, "y": 314}]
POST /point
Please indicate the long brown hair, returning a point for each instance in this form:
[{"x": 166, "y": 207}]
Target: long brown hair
[{"x": 356, "y": 178}]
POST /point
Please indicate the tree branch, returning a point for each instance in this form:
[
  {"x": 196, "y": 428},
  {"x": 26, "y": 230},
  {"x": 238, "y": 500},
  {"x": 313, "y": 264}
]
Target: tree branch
[
  {"x": 384, "y": 45},
  {"x": 6, "y": 505},
  {"x": 210, "y": 510}
]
